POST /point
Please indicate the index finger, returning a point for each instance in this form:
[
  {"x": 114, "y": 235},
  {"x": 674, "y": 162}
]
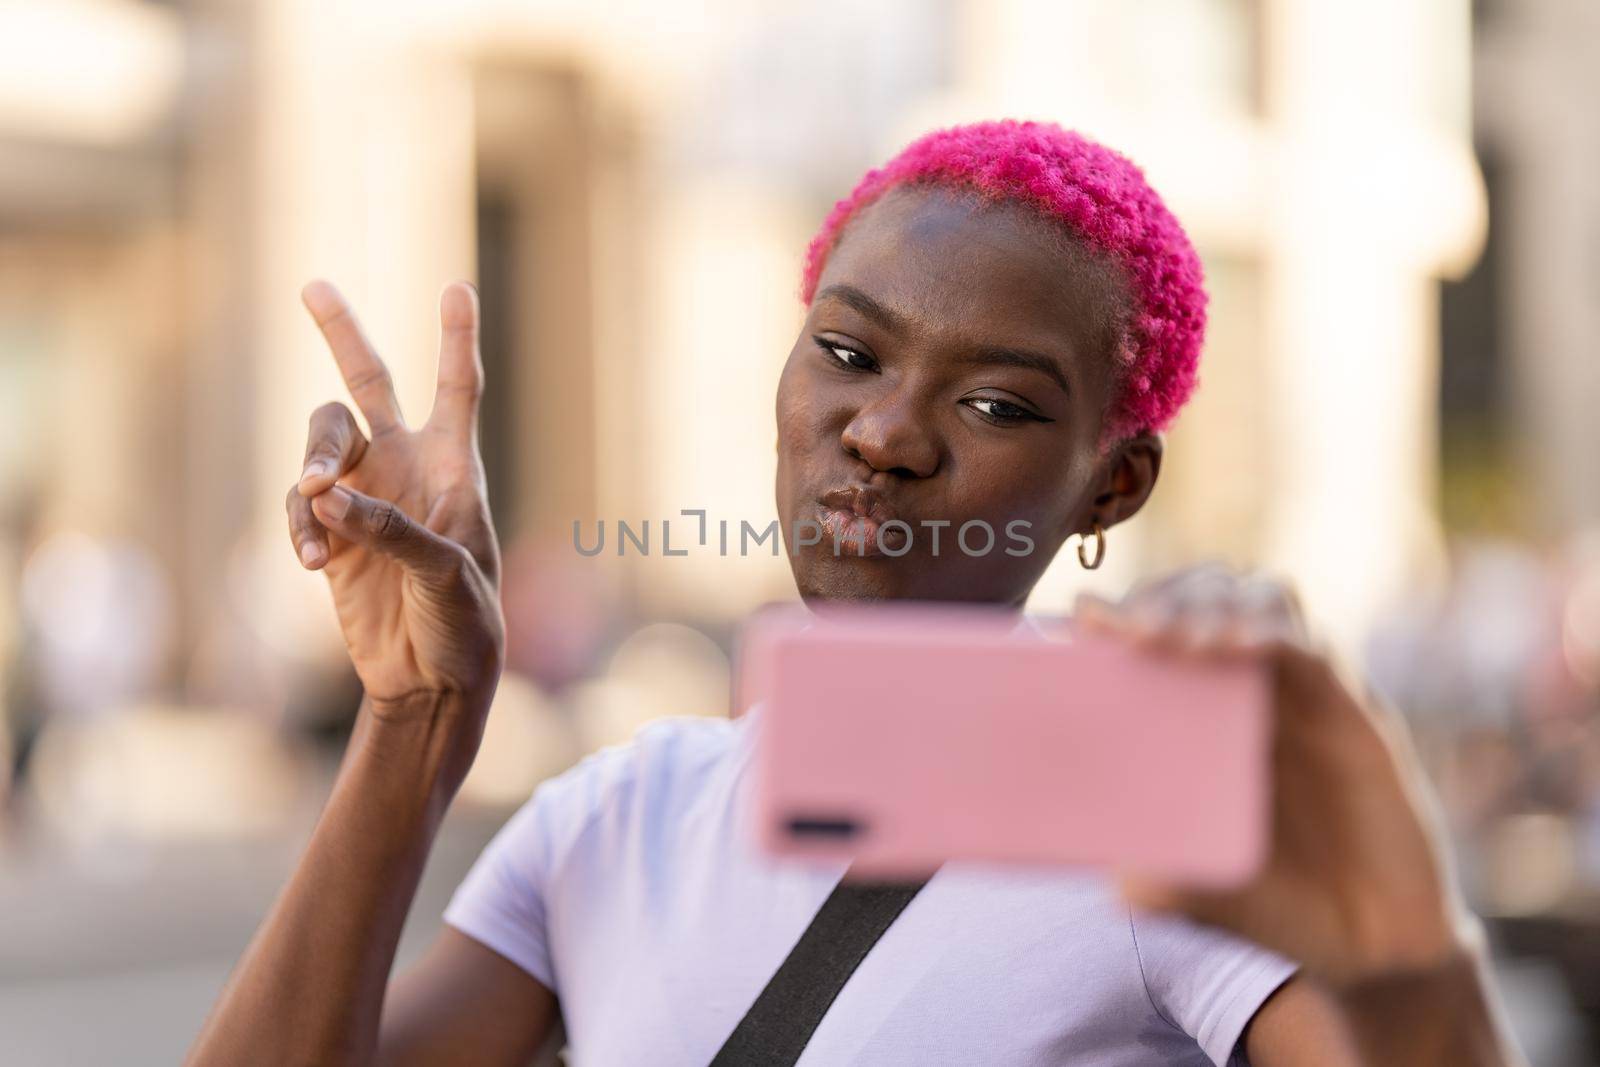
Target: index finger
[{"x": 364, "y": 373}]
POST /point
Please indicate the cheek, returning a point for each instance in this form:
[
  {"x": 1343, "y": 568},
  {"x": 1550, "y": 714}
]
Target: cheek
[
  {"x": 803, "y": 420},
  {"x": 1037, "y": 484},
  {"x": 796, "y": 438}
]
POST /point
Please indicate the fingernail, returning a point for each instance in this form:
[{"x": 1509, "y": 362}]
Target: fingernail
[
  {"x": 310, "y": 553},
  {"x": 316, "y": 469},
  {"x": 335, "y": 503}
]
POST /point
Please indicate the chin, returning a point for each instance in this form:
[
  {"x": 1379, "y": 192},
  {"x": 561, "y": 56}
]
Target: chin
[
  {"x": 864, "y": 581},
  {"x": 836, "y": 586}
]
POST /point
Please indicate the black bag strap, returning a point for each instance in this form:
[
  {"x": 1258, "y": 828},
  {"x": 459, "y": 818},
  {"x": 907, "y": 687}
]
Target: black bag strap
[{"x": 778, "y": 1025}]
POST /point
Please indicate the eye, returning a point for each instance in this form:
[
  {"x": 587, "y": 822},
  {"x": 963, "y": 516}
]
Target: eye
[
  {"x": 845, "y": 355},
  {"x": 1003, "y": 411}
]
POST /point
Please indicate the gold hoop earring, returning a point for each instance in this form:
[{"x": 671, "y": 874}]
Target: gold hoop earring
[{"x": 1099, "y": 547}]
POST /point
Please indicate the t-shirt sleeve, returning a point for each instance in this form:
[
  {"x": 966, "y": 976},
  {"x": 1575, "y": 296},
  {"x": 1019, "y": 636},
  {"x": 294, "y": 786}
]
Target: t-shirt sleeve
[
  {"x": 502, "y": 902},
  {"x": 1204, "y": 981}
]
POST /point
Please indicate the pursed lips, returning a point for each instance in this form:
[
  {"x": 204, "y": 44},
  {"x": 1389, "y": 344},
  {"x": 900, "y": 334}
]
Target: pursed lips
[{"x": 852, "y": 517}]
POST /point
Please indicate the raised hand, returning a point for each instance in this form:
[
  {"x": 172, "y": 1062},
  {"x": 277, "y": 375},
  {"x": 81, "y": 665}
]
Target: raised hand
[{"x": 400, "y": 523}]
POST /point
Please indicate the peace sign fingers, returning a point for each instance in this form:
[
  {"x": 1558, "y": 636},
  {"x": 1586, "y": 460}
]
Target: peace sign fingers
[{"x": 364, "y": 373}]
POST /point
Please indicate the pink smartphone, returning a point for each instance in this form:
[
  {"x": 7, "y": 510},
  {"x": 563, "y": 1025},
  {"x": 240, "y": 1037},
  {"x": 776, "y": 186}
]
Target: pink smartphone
[{"x": 900, "y": 737}]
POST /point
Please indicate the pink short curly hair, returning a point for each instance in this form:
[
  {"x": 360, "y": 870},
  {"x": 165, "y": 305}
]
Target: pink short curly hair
[{"x": 1104, "y": 200}]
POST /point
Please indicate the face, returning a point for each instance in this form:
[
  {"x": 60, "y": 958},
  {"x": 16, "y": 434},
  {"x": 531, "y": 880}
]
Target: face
[{"x": 939, "y": 417}]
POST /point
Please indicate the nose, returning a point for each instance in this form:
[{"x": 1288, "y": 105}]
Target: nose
[{"x": 889, "y": 435}]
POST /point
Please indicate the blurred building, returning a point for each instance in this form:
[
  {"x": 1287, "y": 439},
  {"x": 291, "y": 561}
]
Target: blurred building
[{"x": 632, "y": 186}]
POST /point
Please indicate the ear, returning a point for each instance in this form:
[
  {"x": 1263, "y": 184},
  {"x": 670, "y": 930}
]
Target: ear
[{"x": 1127, "y": 479}]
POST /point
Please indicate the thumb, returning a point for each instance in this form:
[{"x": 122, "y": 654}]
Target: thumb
[{"x": 383, "y": 527}]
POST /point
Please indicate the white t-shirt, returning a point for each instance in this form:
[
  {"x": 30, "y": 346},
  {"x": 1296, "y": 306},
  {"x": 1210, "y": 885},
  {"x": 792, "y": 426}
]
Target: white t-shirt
[{"x": 629, "y": 887}]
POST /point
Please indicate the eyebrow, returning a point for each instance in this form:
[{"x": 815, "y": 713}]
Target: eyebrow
[
  {"x": 852, "y": 297},
  {"x": 1020, "y": 357},
  {"x": 988, "y": 355}
]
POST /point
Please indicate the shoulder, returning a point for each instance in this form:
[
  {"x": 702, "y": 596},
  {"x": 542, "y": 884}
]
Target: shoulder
[
  {"x": 580, "y": 829},
  {"x": 663, "y": 763},
  {"x": 664, "y": 755},
  {"x": 663, "y": 766}
]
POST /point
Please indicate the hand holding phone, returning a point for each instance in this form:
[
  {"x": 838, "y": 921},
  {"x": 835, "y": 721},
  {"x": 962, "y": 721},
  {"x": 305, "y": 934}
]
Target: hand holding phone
[{"x": 1357, "y": 883}]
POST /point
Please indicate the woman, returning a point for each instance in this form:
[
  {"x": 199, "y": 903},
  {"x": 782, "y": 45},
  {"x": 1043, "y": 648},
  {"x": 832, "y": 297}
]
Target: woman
[{"x": 999, "y": 323}]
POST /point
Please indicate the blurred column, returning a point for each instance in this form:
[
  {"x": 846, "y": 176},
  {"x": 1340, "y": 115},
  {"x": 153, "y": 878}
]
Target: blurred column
[
  {"x": 218, "y": 383},
  {"x": 1375, "y": 193},
  {"x": 1536, "y": 88},
  {"x": 362, "y": 174},
  {"x": 535, "y": 134},
  {"x": 91, "y": 245}
]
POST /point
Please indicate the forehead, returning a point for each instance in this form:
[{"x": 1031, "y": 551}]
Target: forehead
[{"x": 974, "y": 272}]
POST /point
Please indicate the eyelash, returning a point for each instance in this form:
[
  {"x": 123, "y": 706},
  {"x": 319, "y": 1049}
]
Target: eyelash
[
  {"x": 832, "y": 349},
  {"x": 1014, "y": 415}
]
